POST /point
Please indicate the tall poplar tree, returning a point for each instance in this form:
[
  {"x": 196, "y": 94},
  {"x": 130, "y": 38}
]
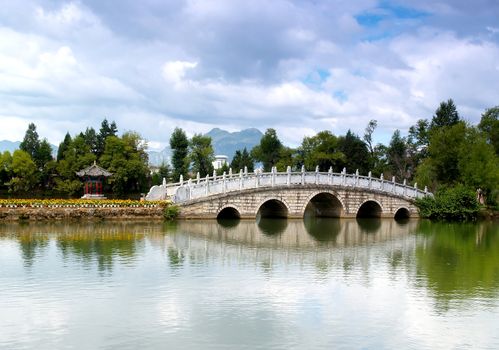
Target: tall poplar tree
[
  {"x": 201, "y": 154},
  {"x": 180, "y": 150}
]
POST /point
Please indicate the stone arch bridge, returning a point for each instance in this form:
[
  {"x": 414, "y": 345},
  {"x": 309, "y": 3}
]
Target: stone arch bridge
[{"x": 290, "y": 195}]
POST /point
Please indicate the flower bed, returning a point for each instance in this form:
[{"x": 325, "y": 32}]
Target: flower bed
[{"x": 80, "y": 203}]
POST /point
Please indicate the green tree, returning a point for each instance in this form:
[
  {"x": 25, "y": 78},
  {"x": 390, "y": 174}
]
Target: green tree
[
  {"x": 180, "y": 150},
  {"x": 127, "y": 159},
  {"x": 444, "y": 150},
  {"x": 357, "y": 155},
  {"x": 5, "y": 168},
  {"x": 242, "y": 159},
  {"x": 163, "y": 172},
  {"x": 76, "y": 157},
  {"x": 269, "y": 150},
  {"x": 201, "y": 154},
  {"x": 45, "y": 162},
  {"x": 63, "y": 146},
  {"x": 380, "y": 159},
  {"x": 31, "y": 141},
  {"x": 287, "y": 157},
  {"x": 368, "y": 137},
  {"x": 478, "y": 163},
  {"x": 105, "y": 131},
  {"x": 445, "y": 115},
  {"x": 322, "y": 150},
  {"x": 397, "y": 156},
  {"x": 92, "y": 139},
  {"x": 489, "y": 125},
  {"x": 24, "y": 172}
]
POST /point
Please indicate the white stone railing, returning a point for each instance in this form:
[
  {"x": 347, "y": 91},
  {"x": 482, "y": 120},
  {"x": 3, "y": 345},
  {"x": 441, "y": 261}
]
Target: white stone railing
[{"x": 210, "y": 185}]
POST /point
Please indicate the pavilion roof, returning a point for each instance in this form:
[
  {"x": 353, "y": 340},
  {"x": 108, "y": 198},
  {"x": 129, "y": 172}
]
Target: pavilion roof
[{"x": 93, "y": 170}]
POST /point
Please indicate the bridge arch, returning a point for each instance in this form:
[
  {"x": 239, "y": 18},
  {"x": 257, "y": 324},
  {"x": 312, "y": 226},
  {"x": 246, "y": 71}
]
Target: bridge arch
[
  {"x": 272, "y": 207},
  {"x": 229, "y": 212},
  {"x": 370, "y": 208},
  {"x": 323, "y": 204},
  {"x": 402, "y": 213}
]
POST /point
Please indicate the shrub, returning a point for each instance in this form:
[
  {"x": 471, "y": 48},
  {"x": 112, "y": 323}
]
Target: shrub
[
  {"x": 171, "y": 212},
  {"x": 454, "y": 204}
]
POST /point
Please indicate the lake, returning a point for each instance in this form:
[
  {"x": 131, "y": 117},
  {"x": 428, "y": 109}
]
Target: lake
[{"x": 276, "y": 284}]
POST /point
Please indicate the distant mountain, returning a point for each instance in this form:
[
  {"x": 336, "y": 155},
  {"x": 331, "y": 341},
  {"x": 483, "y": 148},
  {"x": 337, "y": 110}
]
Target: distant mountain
[
  {"x": 224, "y": 142},
  {"x": 164, "y": 156},
  {"x": 227, "y": 143},
  {"x": 11, "y": 146}
]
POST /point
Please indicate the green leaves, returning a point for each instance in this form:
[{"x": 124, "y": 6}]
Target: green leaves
[
  {"x": 201, "y": 154},
  {"x": 457, "y": 203}
]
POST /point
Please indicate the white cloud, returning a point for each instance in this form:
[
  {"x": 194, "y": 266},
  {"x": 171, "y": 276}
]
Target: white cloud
[
  {"x": 230, "y": 64},
  {"x": 174, "y": 72}
]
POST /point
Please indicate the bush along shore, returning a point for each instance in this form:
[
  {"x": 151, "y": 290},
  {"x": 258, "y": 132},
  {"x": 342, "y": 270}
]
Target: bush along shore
[
  {"x": 453, "y": 204},
  {"x": 63, "y": 209}
]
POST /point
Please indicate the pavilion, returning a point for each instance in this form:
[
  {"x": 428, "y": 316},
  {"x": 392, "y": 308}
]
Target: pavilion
[{"x": 94, "y": 177}]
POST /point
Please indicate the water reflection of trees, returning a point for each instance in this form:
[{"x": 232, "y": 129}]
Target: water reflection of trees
[
  {"x": 458, "y": 261},
  {"x": 88, "y": 243}
]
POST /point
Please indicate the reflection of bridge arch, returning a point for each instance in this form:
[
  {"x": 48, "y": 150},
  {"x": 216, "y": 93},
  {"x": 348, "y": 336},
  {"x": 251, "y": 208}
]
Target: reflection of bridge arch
[
  {"x": 272, "y": 207},
  {"x": 324, "y": 204},
  {"x": 370, "y": 208}
]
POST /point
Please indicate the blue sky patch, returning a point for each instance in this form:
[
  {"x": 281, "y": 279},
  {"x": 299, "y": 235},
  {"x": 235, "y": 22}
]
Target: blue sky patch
[{"x": 386, "y": 11}]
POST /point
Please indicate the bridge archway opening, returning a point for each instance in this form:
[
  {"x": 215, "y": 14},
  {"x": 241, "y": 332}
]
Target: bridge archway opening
[
  {"x": 228, "y": 213},
  {"x": 324, "y": 205},
  {"x": 402, "y": 213},
  {"x": 369, "y": 209},
  {"x": 272, "y": 208}
]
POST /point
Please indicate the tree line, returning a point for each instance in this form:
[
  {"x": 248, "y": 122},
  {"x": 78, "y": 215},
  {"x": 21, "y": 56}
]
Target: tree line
[
  {"x": 439, "y": 152},
  {"x": 32, "y": 169}
]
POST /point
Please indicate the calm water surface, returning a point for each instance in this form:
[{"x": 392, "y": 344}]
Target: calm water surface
[{"x": 318, "y": 284}]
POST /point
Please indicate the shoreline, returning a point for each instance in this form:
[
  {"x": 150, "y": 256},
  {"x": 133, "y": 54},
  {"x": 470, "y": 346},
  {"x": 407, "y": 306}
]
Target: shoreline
[{"x": 80, "y": 213}]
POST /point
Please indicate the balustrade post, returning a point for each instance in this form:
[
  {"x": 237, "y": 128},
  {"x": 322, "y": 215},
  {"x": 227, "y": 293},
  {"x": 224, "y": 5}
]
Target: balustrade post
[
  {"x": 416, "y": 189},
  {"x": 245, "y": 171},
  {"x": 330, "y": 176},
  {"x": 343, "y": 176},
  {"x": 181, "y": 180},
  {"x": 198, "y": 178},
  {"x": 405, "y": 187},
  {"x": 288, "y": 177},
  {"x": 257, "y": 178},
  {"x": 207, "y": 185},
  {"x": 382, "y": 178},
  {"x": 393, "y": 184},
  {"x": 240, "y": 179},
  {"x": 164, "y": 182},
  {"x": 356, "y": 177},
  {"x": 214, "y": 175},
  {"x": 272, "y": 176},
  {"x": 425, "y": 190},
  {"x": 370, "y": 179},
  {"x": 303, "y": 175},
  {"x": 224, "y": 182},
  {"x": 316, "y": 174},
  {"x": 230, "y": 172}
]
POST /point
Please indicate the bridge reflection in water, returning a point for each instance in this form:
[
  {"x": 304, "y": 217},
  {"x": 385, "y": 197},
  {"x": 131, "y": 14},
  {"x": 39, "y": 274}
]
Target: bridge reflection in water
[{"x": 279, "y": 242}]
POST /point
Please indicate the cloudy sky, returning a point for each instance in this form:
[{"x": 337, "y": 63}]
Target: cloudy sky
[{"x": 297, "y": 66}]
